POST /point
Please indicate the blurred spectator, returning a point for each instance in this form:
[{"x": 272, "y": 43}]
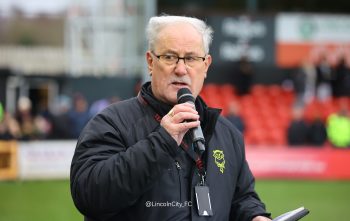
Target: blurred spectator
[
  {"x": 1, "y": 112},
  {"x": 233, "y": 115},
  {"x": 101, "y": 104},
  {"x": 298, "y": 129},
  {"x": 98, "y": 106},
  {"x": 25, "y": 118},
  {"x": 317, "y": 135},
  {"x": 43, "y": 127},
  {"x": 43, "y": 121},
  {"x": 9, "y": 127},
  {"x": 310, "y": 81},
  {"x": 341, "y": 81},
  {"x": 299, "y": 85},
  {"x": 245, "y": 76},
  {"x": 346, "y": 83},
  {"x": 79, "y": 115},
  {"x": 61, "y": 124},
  {"x": 324, "y": 78},
  {"x": 338, "y": 126}
]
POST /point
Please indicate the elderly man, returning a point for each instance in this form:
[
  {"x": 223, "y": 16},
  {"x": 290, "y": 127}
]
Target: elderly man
[{"x": 136, "y": 160}]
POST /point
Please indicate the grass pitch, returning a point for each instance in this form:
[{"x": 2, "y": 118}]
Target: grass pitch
[
  {"x": 326, "y": 200},
  {"x": 37, "y": 201},
  {"x": 51, "y": 200}
]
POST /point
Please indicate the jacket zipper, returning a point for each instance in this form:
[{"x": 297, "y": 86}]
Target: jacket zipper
[{"x": 178, "y": 167}]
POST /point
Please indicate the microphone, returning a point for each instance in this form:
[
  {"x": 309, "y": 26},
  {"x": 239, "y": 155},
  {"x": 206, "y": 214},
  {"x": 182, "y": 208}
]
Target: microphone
[{"x": 185, "y": 95}]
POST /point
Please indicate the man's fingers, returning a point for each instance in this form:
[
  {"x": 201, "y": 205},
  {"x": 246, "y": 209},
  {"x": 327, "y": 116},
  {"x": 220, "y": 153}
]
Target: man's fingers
[
  {"x": 185, "y": 107},
  {"x": 185, "y": 117},
  {"x": 180, "y": 119},
  {"x": 189, "y": 125}
]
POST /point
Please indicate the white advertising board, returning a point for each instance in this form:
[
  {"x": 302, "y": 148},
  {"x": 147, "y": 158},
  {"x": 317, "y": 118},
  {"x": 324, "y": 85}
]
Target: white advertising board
[{"x": 45, "y": 159}]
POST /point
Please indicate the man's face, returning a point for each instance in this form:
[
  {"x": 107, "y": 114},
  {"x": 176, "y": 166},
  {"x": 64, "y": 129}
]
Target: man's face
[{"x": 180, "y": 40}]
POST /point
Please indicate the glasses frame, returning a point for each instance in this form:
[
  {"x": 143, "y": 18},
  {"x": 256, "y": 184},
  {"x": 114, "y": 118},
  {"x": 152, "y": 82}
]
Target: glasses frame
[{"x": 178, "y": 58}]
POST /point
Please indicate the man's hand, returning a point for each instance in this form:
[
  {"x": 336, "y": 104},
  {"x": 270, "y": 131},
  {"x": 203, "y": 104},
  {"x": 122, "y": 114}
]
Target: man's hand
[
  {"x": 261, "y": 218},
  {"x": 179, "y": 120}
]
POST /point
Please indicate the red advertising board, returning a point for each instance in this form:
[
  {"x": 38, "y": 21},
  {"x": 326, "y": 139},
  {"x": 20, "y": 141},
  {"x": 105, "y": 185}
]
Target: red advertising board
[
  {"x": 299, "y": 163},
  {"x": 294, "y": 54}
]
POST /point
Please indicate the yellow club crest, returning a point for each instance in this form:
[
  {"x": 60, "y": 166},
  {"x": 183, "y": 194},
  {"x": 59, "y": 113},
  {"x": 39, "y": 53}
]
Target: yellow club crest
[{"x": 219, "y": 159}]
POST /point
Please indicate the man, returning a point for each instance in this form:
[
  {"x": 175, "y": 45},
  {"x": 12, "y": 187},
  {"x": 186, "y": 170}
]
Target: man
[
  {"x": 135, "y": 160},
  {"x": 338, "y": 126}
]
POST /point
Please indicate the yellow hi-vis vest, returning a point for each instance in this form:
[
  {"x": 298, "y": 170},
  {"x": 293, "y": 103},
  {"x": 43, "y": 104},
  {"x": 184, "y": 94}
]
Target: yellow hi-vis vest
[{"x": 338, "y": 130}]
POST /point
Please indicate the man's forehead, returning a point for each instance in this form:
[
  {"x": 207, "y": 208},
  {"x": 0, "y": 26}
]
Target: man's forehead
[{"x": 187, "y": 38}]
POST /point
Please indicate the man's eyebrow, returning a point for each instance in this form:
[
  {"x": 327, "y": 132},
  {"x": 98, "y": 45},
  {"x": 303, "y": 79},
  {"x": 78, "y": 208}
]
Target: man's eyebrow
[
  {"x": 191, "y": 54},
  {"x": 170, "y": 52}
]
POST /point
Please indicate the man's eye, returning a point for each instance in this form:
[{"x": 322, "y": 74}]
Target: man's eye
[
  {"x": 190, "y": 59},
  {"x": 169, "y": 57}
]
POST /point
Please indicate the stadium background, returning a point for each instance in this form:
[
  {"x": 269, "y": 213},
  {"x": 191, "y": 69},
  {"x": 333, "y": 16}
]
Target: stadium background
[{"x": 46, "y": 54}]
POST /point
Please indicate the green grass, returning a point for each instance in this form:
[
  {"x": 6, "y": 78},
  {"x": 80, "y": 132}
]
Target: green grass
[
  {"x": 37, "y": 201},
  {"x": 51, "y": 200},
  {"x": 326, "y": 200}
]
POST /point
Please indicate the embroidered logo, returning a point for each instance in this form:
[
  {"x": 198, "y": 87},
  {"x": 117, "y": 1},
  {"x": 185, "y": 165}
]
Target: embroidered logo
[{"x": 219, "y": 159}]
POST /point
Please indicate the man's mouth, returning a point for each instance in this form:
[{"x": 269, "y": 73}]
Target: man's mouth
[{"x": 179, "y": 83}]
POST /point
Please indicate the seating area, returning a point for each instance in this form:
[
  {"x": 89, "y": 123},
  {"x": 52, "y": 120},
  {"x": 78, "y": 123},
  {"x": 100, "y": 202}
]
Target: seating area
[{"x": 266, "y": 110}]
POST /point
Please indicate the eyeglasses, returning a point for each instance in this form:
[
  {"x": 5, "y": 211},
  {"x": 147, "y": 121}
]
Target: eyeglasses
[{"x": 190, "y": 61}]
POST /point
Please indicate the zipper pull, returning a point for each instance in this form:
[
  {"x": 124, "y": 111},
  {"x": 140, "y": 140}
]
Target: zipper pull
[{"x": 177, "y": 165}]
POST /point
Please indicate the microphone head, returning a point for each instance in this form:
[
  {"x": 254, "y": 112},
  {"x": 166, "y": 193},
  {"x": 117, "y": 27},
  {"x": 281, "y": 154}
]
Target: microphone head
[{"x": 184, "y": 95}]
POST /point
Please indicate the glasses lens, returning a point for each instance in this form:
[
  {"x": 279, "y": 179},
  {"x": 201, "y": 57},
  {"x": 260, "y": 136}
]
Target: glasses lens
[
  {"x": 173, "y": 60},
  {"x": 193, "y": 61},
  {"x": 168, "y": 59}
]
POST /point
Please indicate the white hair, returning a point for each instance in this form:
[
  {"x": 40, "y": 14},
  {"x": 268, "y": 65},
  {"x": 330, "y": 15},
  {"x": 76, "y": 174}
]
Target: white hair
[{"x": 157, "y": 23}]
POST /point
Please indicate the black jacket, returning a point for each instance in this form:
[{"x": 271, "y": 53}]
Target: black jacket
[{"x": 127, "y": 167}]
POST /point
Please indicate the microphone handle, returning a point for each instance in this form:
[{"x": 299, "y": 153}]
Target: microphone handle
[
  {"x": 200, "y": 146},
  {"x": 198, "y": 137},
  {"x": 197, "y": 134}
]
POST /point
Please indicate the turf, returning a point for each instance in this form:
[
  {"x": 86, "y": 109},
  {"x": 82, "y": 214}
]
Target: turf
[
  {"x": 326, "y": 200},
  {"x": 37, "y": 201},
  {"x": 51, "y": 200}
]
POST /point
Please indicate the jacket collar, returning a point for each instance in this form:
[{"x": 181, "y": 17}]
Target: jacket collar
[{"x": 208, "y": 115}]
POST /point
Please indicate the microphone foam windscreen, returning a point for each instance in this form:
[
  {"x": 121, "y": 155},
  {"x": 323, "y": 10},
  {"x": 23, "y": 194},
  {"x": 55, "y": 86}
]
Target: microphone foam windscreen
[{"x": 184, "y": 95}]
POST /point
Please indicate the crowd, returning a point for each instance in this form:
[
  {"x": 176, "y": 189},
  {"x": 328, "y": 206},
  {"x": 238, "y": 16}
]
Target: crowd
[
  {"x": 69, "y": 116},
  {"x": 319, "y": 81},
  {"x": 322, "y": 81}
]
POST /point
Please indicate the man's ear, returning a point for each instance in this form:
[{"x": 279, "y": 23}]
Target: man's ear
[
  {"x": 207, "y": 63},
  {"x": 149, "y": 60}
]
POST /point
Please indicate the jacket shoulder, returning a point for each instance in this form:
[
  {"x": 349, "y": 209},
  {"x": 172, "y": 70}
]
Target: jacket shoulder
[
  {"x": 226, "y": 125},
  {"x": 120, "y": 115},
  {"x": 232, "y": 135},
  {"x": 124, "y": 109}
]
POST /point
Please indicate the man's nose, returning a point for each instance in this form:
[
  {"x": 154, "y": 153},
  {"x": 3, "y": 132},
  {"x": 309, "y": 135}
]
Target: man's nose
[{"x": 181, "y": 67}]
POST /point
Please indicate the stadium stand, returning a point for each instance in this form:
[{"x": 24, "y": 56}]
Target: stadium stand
[{"x": 266, "y": 110}]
